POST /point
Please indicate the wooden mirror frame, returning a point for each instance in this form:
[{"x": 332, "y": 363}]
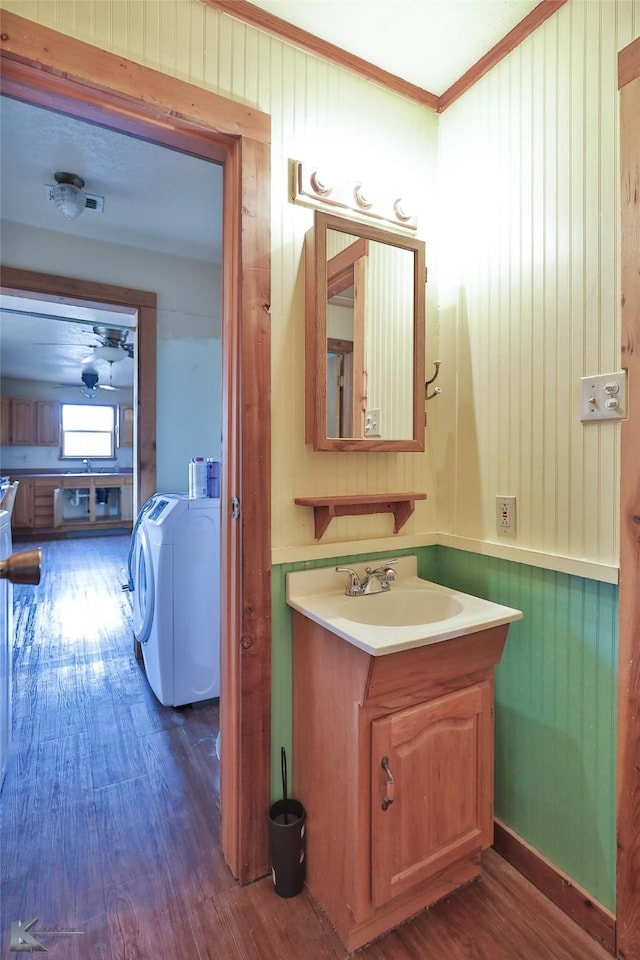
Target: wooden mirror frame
[{"x": 316, "y": 335}]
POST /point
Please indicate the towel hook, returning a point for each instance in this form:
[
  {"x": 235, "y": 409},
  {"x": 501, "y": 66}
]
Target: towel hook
[{"x": 437, "y": 390}]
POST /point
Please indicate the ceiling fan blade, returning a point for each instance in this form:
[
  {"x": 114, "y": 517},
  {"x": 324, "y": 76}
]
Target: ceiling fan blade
[{"x": 106, "y": 386}]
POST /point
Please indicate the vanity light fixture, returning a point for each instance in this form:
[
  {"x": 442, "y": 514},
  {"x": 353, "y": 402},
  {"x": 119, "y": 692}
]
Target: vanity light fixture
[
  {"x": 362, "y": 197},
  {"x": 320, "y": 183},
  {"x": 313, "y": 186}
]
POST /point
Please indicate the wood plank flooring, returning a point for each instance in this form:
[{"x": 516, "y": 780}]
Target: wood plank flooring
[{"x": 110, "y": 823}]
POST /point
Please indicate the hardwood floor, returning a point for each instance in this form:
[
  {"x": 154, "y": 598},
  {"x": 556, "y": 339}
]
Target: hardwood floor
[{"x": 109, "y": 813}]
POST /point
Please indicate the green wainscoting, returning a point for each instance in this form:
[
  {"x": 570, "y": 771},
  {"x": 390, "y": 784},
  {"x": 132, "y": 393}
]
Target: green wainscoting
[{"x": 556, "y": 701}]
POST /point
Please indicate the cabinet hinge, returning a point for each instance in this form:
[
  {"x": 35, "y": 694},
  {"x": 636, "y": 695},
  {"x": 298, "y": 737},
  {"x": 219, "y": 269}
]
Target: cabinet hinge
[
  {"x": 426, "y": 274},
  {"x": 235, "y": 508}
]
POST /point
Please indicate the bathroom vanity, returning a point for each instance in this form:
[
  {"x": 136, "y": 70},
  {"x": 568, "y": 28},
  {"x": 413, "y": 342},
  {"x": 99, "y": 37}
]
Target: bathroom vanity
[{"x": 392, "y": 743}]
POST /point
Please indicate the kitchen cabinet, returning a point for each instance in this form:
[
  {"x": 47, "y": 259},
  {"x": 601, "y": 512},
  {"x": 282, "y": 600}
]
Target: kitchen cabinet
[
  {"x": 30, "y": 422},
  {"x": 23, "y": 421},
  {"x": 61, "y": 502},
  {"x": 393, "y": 761},
  {"x": 5, "y": 421},
  {"x": 42, "y": 517},
  {"x": 22, "y": 515},
  {"x": 125, "y": 425},
  {"x": 47, "y": 423}
]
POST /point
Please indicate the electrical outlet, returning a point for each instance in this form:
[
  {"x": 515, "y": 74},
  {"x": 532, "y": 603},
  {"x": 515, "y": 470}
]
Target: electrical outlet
[
  {"x": 372, "y": 426},
  {"x": 506, "y": 515}
]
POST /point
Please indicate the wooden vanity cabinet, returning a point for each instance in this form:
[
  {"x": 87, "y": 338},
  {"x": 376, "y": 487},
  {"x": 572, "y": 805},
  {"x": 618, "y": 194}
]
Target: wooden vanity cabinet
[{"x": 428, "y": 713}]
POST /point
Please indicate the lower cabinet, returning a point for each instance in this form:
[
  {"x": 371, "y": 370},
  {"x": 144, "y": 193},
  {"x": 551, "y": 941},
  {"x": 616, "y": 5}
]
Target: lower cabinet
[
  {"x": 59, "y": 503},
  {"x": 431, "y": 796},
  {"x": 393, "y": 761},
  {"x": 22, "y": 515}
]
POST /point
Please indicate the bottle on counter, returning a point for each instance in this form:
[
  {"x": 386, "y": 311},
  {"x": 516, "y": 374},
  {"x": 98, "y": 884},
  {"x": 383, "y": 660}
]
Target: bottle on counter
[
  {"x": 197, "y": 478},
  {"x": 213, "y": 478}
]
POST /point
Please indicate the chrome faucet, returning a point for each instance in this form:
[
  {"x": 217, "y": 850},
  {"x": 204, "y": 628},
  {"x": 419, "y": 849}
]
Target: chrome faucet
[
  {"x": 376, "y": 579},
  {"x": 87, "y": 465}
]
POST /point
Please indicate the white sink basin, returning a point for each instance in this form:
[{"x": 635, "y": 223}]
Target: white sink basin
[
  {"x": 401, "y": 607},
  {"x": 412, "y": 613}
]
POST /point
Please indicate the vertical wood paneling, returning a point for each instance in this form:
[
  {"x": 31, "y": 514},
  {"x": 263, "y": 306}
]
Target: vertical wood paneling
[
  {"x": 320, "y": 113},
  {"x": 528, "y": 164},
  {"x": 555, "y": 712}
]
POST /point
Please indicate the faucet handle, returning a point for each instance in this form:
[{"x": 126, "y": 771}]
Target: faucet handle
[{"x": 353, "y": 583}]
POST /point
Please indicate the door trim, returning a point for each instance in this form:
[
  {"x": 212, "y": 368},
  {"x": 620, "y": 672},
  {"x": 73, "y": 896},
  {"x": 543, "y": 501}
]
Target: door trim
[
  {"x": 51, "y": 70},
  {"x": 628, "y": 813}
]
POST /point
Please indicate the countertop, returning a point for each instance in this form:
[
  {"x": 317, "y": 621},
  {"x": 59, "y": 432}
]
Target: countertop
[{"x": 31, "y": 474}]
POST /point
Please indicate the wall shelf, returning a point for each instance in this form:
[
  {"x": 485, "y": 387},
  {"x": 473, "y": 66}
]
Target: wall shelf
[{"x": 401, "y": 505}]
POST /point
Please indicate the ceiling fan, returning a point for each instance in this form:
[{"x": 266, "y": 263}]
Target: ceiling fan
[
  {"x": 90, "y": 385},
  {"x": 113, "y": 346}
]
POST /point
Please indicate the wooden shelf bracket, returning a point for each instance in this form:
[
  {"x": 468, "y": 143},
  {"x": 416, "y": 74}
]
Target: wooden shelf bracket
[{"x": 401, "y": 505}]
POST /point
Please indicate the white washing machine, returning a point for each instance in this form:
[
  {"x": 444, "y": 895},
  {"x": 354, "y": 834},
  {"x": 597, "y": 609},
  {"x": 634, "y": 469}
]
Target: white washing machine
[{"x": 174, "y": 574}]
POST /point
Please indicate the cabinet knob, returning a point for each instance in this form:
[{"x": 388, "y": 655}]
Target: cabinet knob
[{"x": 391, "y": 784}]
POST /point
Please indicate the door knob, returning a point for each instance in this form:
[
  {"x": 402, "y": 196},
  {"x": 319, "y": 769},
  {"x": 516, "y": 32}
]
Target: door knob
[{"x": 22, "y": 567}]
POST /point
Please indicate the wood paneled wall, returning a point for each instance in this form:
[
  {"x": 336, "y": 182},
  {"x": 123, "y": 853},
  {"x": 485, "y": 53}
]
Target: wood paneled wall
[
  {"x": 317, "y": 110},
  {"x": 530, "y": 288}
]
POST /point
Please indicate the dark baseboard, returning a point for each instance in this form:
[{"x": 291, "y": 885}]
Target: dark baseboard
[{"x": 598, "y": 922}]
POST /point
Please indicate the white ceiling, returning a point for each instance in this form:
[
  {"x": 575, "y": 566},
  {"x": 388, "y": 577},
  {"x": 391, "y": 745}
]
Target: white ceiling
[
  {"x": 430, "y": 43},
  {"x": 154, "y": 198}
]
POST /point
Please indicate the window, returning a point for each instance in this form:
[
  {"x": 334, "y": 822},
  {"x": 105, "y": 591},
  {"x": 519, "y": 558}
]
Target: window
[{"x": 88, "y": 431}]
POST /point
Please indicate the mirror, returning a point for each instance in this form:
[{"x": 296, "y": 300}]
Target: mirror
[{"x": 365, "y": 316}]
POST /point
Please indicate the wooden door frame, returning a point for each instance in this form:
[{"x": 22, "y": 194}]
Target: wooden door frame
[
  {"x": 48, "y": 69},
  {"x": 628, "y": 813}
]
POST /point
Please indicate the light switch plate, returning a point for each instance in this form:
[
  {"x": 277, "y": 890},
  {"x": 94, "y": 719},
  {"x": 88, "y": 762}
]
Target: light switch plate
[
  {"x": 604, "y": 396},
  {"x": 372, "y": 426}
]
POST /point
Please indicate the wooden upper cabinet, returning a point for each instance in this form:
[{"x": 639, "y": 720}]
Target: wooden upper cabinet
[
  {"x": 125, "y": 425},
  {"x": 434, "y": 762},
  {"x": 47, "y": 423},
  {"x": 5, "y": 421},
  {"x": 30, "y": 422},
  {"x": 23, "y": 421}
]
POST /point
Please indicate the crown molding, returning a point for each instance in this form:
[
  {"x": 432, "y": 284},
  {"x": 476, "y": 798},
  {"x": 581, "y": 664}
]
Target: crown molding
[{"x": 277, "y": 27}]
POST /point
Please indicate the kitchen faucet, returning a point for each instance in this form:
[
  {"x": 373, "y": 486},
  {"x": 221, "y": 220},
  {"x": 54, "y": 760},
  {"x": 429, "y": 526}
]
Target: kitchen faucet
[
  {"x": 376, "y": 579},
  {"x": 87, "y": 465}
]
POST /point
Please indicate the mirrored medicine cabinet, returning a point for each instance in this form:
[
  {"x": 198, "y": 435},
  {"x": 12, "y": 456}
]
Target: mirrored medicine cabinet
[{"x": 365, "y": 333}]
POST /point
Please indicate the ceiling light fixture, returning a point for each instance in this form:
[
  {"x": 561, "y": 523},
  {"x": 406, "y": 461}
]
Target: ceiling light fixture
[
  {"x": 68, "y": 195},
  {"x": 110, "y": 354}
]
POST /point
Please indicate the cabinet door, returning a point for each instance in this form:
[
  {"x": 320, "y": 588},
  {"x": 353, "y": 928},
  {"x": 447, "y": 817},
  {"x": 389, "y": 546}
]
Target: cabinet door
[
  {"x": 47, "y": 423},
  {"x": 23, "y": 427},
  {"x": 125, "y": 425},
  {"x": 440, "y": 756},
  {"x": 23, "y": 505},
  {"x": 43, "y": 497},
  {"x": 5, "y": 421}
]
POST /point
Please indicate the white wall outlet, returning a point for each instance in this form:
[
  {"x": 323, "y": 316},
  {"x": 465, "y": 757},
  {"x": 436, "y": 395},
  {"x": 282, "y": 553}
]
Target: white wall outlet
[
  {"x": 604, "y": 397},
  {"x": 506, "y": 515},
  {"x": 372, "y": 426}
]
